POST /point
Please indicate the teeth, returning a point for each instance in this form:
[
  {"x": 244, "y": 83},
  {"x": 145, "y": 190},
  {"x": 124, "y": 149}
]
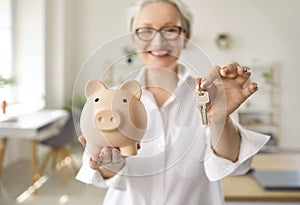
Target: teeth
[{"x": 159, "y": 53}]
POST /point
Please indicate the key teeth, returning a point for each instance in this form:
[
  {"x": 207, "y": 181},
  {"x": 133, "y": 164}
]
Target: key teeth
[
  {"x": 203, "y": 115},
  {"x": 202, "y": 98}
]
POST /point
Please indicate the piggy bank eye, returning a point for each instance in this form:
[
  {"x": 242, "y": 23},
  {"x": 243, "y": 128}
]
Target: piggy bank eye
[
  {"x": 97, "y": 100},
  {"x": 124, "y": 100}
]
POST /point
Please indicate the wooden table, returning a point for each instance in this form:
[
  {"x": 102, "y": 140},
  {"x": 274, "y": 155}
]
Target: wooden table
[
  {"x": 34, "y": 127},
  {"x": 245, "y": 188}
]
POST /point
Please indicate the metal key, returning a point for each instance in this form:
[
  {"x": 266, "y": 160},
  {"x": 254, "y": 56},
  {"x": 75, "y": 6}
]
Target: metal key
[{"x": 202, "y": 98}]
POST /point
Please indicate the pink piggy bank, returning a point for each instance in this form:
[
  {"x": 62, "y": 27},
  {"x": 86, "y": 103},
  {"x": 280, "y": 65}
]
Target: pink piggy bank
[{"x": 113, "y": 117}]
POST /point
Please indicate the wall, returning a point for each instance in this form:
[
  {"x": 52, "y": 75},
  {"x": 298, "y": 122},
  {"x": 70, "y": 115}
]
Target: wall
[
  {"x": 265, "y": 30},
  {"x": 55, "y": 53}
]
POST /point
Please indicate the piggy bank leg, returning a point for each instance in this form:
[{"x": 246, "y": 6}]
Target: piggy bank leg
[{"x": 129, "y": 150}]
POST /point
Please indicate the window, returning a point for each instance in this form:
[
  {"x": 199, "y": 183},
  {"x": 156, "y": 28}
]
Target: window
[
  {"x": 22, "y": 50},
  {"x": 5, "y": 48}
]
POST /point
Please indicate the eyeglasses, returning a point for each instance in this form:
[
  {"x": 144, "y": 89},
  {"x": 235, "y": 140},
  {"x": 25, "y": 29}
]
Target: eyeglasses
[{"x": 168, "y": 33}]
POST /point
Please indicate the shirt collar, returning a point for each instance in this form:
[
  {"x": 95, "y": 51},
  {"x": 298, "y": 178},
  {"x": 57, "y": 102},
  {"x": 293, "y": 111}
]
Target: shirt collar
[{"x": 183, "y": 74}]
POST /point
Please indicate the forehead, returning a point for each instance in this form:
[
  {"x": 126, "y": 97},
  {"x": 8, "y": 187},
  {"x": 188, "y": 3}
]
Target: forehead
[{"x": 157, "y": 14}]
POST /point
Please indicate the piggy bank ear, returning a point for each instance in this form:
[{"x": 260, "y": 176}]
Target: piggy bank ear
[
  {"x": 134, "y": 87},
  {"x": 92, "y": 86}
]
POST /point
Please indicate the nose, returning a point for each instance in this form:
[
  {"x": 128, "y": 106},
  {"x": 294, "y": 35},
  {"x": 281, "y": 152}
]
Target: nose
[
  {"x": 108, "y": 120},
  {"x": 158, "y": 39}
]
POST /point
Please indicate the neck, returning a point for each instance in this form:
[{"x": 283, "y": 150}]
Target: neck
[
  {"x": 161, "y": 82},
  {"x": 162, "y": 78}
]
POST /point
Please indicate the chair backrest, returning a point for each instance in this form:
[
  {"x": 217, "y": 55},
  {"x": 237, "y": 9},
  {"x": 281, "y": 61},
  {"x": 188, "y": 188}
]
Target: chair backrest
[{"x": 66, "y": 135}]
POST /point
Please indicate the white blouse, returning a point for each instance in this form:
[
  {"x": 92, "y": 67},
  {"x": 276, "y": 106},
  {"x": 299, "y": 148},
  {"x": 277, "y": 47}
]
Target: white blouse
[{"x": 176, "y": 164}]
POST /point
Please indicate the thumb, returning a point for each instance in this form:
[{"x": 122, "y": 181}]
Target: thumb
[
  {"x": 198, "y": 83},
  {"x": 210, "y": 77},
  {"x": 82, "y": 140}
]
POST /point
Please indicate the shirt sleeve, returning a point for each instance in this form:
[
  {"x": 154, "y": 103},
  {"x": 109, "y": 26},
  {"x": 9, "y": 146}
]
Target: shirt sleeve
[
  {"x": 90, "y": 176},
  {"x": 217, "y": 167}
]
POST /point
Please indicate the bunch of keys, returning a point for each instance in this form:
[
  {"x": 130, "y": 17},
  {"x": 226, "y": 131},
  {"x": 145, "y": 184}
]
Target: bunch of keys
[{"x": 202, "y": 98}]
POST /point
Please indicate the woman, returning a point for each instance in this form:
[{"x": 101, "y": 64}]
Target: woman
[{"x": 180, "y": 161}]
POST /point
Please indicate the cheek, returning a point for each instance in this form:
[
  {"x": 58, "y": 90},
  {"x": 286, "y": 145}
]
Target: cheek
[
  {"x": 177, "y": 46},
  {"x": 142, "y": 55},
  {"x": 139, "y": 45}
]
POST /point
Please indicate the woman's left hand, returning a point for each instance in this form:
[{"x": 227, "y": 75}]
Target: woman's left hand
[{"x": 228, "y": 88}]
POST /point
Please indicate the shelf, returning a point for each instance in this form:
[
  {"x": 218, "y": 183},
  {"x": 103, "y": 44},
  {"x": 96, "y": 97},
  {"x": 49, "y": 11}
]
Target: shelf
[{"x": 261, "y": 112}]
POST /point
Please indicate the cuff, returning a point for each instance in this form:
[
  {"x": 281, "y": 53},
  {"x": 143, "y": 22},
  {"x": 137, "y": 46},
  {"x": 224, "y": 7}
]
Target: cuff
[
  {"x": 217, "y": 167},
  {"x": 90, "y": 176}
]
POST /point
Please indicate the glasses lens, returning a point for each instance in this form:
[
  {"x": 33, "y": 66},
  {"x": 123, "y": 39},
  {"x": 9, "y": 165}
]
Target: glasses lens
[
  {"x": 171, "y": 33},
  {"x": 145, "y": 34}
]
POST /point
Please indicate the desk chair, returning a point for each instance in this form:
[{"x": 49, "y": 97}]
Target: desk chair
[{"x": 58, "y": 151}]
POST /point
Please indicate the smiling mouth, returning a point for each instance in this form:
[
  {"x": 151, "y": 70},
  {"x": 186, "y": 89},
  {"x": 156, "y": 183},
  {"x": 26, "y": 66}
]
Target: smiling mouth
[{"x": 160, "y": 53}]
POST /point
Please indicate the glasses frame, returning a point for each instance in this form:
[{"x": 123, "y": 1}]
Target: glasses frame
[{"x": 160, "y": 31}]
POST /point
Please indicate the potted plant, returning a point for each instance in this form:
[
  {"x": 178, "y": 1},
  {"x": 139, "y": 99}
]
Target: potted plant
[{"x": 4, "y": 82}]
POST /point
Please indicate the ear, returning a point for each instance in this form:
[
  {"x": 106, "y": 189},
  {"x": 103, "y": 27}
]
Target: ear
[
  {"x": 92, "y": 86},
  {"x": 134, "y": 87},
  {"x": 186, "y": 39}
]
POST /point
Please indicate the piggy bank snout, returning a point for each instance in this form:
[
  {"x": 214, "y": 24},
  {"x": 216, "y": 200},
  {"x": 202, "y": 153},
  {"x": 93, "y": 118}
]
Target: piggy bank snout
[{"x": 107, "y": 120}]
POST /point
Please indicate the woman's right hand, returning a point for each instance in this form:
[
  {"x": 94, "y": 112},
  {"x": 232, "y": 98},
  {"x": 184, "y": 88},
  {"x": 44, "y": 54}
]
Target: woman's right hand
[{"x": 108, "y": 162}]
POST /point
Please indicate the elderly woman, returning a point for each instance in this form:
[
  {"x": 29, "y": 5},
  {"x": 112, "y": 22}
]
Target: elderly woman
[{"x": 180, "y": 161}]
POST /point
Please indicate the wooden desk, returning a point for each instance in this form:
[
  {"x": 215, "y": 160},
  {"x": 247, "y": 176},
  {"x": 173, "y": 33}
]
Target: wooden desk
[
  {"x": 245, "y": 188},
  {"x": 33, "y": 126}
]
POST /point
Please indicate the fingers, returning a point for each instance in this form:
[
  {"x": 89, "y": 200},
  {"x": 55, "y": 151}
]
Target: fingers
[
  {"x": 244, "y": 71},
  {"x": 110, "y": 155},
  {"x": 208, "y": 80},
  {"x": 116, "y": 156},
  {"x": 244, "y": 74},
  {"x": 198, "y": 82},
  {"x": 230, "y": 70},
  {"x": 250, "y": 89},
  {"x": 106, "y": 155},
  {"x": 93, "y": 164},
  {"x": 234, "y": 71}
]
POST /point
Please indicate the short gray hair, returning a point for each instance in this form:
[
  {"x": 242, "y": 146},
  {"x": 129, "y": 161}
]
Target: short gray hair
[{"x": 183, "y": 9}]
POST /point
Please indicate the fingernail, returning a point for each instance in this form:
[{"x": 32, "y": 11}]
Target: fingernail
[
  {"x": 255, "y": 86},
  {"x": 105, "y": 151},
  {"x": 94, "y": 159},
  {"x": 115, "y": 152},
  {"x": 204, "y": 84},
  {"x": 224, "y": 70}
]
